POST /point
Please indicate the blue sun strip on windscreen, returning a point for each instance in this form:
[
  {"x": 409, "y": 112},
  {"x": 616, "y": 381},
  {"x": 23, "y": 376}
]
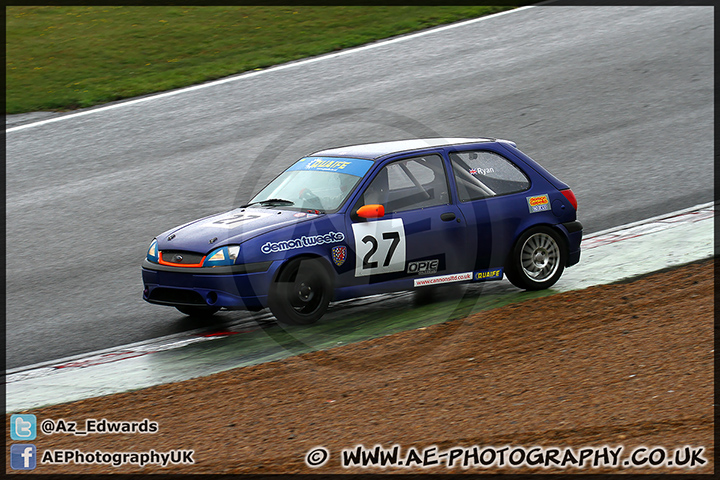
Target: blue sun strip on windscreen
[{"x": 351, "y": 166}]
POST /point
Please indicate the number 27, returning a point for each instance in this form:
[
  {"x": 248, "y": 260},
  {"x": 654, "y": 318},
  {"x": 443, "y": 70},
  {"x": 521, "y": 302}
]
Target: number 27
[{"x": 394, "y": 236}]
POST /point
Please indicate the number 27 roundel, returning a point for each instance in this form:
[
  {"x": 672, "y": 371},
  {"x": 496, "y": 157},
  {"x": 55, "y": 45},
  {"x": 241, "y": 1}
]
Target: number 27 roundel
[{"x": 379, "y": 246}]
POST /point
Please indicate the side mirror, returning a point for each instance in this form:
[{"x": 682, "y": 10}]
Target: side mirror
[{"x": 371, "y": 211}]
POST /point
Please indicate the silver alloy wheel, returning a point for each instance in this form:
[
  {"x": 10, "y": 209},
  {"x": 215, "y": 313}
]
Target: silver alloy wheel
[{"x": 540, "y": 257}]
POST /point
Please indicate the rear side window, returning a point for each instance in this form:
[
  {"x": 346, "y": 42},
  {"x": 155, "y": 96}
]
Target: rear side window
[{"x": 482, "y": 174}]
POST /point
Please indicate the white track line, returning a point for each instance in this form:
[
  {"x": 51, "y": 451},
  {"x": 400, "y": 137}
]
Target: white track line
[
  {"x": 648, "y": 220},
  {"x": 141, "y": 345},
  {"x": 246, "y": 75}
]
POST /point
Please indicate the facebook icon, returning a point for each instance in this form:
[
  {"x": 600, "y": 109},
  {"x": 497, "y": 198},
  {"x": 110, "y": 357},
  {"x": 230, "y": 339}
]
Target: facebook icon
[{"x": 23, "y": 456}]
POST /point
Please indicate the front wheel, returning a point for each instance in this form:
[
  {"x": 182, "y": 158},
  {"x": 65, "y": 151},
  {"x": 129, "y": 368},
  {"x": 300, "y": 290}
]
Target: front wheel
[
  {"x": 301, "y": 293},
  {"x": 537, "y": 259}
]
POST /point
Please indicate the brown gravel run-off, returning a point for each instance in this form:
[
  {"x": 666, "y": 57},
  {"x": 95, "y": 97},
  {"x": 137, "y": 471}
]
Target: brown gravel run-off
[{"x": 628, "y": 364}]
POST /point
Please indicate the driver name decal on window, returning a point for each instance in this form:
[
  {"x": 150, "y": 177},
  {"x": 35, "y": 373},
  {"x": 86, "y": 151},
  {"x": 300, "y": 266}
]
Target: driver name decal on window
[
  {"x": 380, "y": 247},
  {"x": 351, "y": 166},
  {"x": 482, "y": 171}
]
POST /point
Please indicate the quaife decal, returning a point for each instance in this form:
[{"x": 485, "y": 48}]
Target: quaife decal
[
  {"x": 496, "y": 274},
  {"x": 379, "y": 246},
  {"x": 424, "y": 267},
  {"x": 332, "y": 237},
  {"x": 339, "y": 254},
  {"x": 321, "y": 164},
  {"x": 350, "y": 166},
  {"x": 539, "y": 203},
  {"x": 457, "y": 277}
]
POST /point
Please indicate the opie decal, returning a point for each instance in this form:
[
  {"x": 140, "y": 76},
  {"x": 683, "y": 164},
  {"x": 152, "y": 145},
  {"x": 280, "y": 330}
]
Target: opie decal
[
  {"x": 539, "y": 203},
  {"x": 423, "y": 267}
]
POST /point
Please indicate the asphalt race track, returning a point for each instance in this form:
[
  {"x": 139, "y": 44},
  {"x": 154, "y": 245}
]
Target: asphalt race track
[{"x": 617, "y": 102}]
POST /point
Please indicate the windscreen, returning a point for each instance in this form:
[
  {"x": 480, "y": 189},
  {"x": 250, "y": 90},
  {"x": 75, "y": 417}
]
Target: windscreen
[{"x": 315, "y": 183}]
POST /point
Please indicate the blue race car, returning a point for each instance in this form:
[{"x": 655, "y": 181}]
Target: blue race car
[{"x": 366, "y": 219}]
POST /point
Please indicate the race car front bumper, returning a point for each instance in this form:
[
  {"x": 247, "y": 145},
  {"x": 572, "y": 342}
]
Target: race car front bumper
[{"x": 236, "y": 287}]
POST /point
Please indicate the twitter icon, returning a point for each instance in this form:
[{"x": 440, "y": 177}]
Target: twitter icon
[{"x": 23, "y": 427}]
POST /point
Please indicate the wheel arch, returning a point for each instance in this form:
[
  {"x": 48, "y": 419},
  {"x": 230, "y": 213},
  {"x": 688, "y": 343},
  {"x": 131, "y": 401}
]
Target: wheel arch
[
  {"x": 332, "y": 275},
  {"x": 297, "y": 298},
  {"x": 533, "y": 276},
  {"x": 553, "y": 226}
]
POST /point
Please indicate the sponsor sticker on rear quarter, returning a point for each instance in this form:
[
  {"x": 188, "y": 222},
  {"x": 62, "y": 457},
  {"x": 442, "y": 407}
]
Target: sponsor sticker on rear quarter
[{"x": 538, "y": 203}]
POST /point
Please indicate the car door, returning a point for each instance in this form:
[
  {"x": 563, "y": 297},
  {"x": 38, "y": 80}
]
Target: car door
[
  {"x": 492, "y": 195},
  {"x": 421, "y": 233}
]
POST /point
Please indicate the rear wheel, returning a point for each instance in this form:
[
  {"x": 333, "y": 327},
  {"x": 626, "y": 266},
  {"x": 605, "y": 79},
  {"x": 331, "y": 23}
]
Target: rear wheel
[
  {"x": 198, "y": 312},
  {"x": 537, "y": 259},
  {"x": 301, "y": 293}
]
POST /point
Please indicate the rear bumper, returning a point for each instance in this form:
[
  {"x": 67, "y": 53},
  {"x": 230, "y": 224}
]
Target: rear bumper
[
  {"x": 574, "y": 235},
  {"x": 236, "y": 289}
]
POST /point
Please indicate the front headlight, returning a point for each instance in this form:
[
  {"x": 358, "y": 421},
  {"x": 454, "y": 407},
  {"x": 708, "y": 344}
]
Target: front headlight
[
  {"x": 222, "y": 256},
  {"x": 152, "y": 254}
]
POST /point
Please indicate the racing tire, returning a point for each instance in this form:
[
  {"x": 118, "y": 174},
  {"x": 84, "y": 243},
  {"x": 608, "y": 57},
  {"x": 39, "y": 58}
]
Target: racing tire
[
  {"x": 301, "y": 293},
  {"x": 198, "y": 312},
  {"x": 537, "y": 259}
]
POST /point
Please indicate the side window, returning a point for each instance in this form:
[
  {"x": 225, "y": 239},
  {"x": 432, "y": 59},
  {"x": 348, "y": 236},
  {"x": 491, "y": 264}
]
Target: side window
[
  {"x": 408, "y": 184},
  {"x": 481, "y": 174}
]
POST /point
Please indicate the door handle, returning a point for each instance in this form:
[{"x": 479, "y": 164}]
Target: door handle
[{"x": 447, "y": 217}]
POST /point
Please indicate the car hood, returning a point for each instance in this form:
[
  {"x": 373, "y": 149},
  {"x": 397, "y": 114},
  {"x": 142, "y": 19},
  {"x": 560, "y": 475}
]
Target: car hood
[{"x": 229, "y": 228}]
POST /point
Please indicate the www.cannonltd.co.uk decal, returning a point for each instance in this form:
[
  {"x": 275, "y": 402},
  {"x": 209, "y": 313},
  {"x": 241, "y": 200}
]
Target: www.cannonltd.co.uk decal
[
  {"x": 456, "y": 277},
  {"x": 311, "y": 241},
  {"x": 538, "y": 203}
]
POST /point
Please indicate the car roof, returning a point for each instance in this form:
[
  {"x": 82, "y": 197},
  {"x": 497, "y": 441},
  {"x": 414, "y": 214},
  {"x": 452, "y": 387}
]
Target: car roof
[{"x": 376, "y": 150}]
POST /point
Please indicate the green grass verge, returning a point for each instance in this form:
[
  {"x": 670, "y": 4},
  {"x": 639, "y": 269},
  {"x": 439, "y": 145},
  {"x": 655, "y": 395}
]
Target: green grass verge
[
  {"x": 343, "y": 325},
  {"x": 63, "y": 58}
]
